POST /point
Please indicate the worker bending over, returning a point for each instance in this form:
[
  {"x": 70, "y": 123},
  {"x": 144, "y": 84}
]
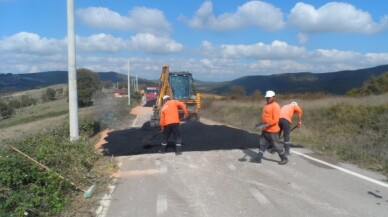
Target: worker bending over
[
  {"x": 270, "y": 132},
  {"x": 169, "y": 122},
  {"x": 286, "y": 114}
]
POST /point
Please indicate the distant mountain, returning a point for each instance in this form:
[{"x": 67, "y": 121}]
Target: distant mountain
[
  {"x": 18, "y": 82},
  {"x": 332, "y": 82}
]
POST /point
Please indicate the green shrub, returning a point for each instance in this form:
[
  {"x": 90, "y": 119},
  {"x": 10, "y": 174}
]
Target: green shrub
[{"x": 27, "y": 188}]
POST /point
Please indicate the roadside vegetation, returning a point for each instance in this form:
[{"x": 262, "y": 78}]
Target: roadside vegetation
[
  {"x": 351, "y": 128},
  {"x": 28, "y": 190}
]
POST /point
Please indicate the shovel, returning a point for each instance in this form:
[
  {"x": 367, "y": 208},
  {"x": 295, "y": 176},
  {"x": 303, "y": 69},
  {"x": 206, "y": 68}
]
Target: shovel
[{"x": 148, "y": 140}]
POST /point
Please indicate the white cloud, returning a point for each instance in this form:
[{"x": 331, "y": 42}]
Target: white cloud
[
  {"x": 140, "y": 19},
  {"x": 25, "y": 42},
  {"x": 334, "y": 17},
  {"x": 376, "y": 58},
  {"x": 275, "y": 50},
  {"x": 101, "y": 43},
  {"x": 253, "y": 13},
  {"x": 334, "y": 56},
  {"x": 157, "y": 45}
]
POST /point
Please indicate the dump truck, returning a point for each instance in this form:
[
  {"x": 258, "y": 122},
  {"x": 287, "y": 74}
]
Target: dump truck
[
  {"x": 151, "y": 94},
  {"x": 179, "y": 86}
]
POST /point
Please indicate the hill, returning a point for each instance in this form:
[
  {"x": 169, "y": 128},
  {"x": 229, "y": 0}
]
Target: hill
[
  {"x": 332, "y": 82},
  {"x": 19, "y": 82}
]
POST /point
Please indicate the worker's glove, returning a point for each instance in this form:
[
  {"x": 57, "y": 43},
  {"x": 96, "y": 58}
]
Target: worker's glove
[
  {"x": 261, "y": 125},
  {"x": 161, "y": 130},
  {"x": 185, "y": 116}
]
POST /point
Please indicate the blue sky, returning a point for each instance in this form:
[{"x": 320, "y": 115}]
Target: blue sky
[{"x": 215, "y": 40}]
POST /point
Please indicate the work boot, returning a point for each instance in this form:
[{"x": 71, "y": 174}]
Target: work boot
[
  {"x": 178, "y": 149},
  {"x": 163, "y": 149},
  {"x": 284, "y": 159},
  {"x": 257, "y": 159},
  {"x": 287, "y": 147}
]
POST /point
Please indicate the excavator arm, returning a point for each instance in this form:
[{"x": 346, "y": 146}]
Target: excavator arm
[{"x": 178, "y": 86}]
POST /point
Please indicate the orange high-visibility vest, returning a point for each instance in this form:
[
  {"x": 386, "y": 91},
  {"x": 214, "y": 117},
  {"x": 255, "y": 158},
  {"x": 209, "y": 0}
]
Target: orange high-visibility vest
[
  {"x": 270, "y": 115},
  {"x": 169, "y": 112},
  {"x": 288, "y": 111}
]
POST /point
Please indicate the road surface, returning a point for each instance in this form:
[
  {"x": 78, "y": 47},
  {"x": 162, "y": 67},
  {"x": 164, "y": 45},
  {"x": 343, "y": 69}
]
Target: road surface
[{"x": 224, "y": 183}]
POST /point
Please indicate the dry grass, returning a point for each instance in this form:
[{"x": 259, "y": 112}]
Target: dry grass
[{"x": 351, "y": 129}]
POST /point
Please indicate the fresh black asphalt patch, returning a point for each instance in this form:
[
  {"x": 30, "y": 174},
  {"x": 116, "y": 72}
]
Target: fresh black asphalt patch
[{"x": 196, "y": 136}]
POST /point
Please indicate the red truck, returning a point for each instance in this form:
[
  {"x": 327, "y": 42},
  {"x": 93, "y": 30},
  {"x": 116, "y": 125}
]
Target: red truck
[{"x": 151, "y": 94}]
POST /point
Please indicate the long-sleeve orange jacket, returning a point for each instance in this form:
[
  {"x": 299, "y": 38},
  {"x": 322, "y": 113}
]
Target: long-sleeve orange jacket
[
  {"x": 270, "y": 115},
  {"x": 169, "y": 112},
  {"x": 288, "y": 111}
]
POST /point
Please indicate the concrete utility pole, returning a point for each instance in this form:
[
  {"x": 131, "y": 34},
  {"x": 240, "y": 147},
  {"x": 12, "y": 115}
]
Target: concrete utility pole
[
  {"x": 137, "y": 84},
  {"x": 129, "y": 87},
  {"x": 72, "y": 73}
]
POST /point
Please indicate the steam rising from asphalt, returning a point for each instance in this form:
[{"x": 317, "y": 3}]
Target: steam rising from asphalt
[{"x": 109, "y": 110}]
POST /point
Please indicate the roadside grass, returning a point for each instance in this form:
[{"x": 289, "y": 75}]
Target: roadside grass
[
  {"x": 36, "y": 93},
  {"x": 37, "y": 112},
  {"x": 27, "y": 190},
  {"x": 351, "y": 129}
]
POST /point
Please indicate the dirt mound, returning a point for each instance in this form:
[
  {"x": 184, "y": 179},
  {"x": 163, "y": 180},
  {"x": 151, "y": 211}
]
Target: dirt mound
[{"x": 196, "y": 137}]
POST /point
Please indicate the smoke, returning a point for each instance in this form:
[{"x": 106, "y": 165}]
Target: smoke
[{"x": 108, "y": 110}]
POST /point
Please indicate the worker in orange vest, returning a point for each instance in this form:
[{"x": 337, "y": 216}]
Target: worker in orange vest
[
  {"x": 286, "y": 114},
  {"x": 270, "y": 130},
  {"x": 170, "y": 123}
]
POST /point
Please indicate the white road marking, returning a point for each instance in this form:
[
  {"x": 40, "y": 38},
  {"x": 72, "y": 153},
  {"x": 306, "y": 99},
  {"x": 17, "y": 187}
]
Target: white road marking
[
  {"x": 161, "y": 204},
  {"x": 135, "y": 121},
  {"x": 383, "y": 184},
  {"x": 105, "y": 201},
  {"x": 260, "y": 197}
]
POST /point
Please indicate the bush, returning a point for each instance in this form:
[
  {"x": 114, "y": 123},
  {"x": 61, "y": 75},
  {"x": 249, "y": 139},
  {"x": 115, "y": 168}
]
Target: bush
[
  {"x": 5, "y": 110},
  {"x": 26, "y": 188}
]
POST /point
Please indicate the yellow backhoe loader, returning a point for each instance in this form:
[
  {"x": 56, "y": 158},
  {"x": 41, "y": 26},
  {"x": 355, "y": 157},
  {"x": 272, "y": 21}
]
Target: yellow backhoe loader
[{"x": 179, "y": 86}]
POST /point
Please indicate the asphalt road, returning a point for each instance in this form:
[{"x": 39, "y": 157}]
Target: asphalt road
[{"x": 222, "y": 183}]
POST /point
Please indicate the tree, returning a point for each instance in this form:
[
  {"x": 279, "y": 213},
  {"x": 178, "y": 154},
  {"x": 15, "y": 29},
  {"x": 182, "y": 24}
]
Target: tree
[
  {"x": 257, "y": 94},
  {"x": 375, "y": 85},
  {"x": 107, "y": 84},
  {"x": 5, "y": 110},
  {"x": 14, "y": 104},
  {"x": 237, "y": 91},
  {"x": 26, "y": 101},
  {"x": 50, "y": 94},
  {"x": 87, "y": 83}
]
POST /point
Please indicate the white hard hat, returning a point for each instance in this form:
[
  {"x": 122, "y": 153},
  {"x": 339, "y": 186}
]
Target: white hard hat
[
  {"x": 166, "y": 97},
  {"x": 269, "y": 93},
  {"x": 294, "y": 103}
]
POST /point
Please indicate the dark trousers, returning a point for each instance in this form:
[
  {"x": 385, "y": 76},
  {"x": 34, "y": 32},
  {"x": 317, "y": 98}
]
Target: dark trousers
[
  {"x": 172, "y": 129},
  {"x": 270, "y": 139},
  {"x": 285, "y": 127}
]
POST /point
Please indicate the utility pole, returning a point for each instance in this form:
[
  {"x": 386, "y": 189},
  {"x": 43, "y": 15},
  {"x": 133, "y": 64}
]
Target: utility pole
[
  {"x": 137, "y": 84},
  {"x": 72, "y": 73},
  {"x": 129, "y": 87}
]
